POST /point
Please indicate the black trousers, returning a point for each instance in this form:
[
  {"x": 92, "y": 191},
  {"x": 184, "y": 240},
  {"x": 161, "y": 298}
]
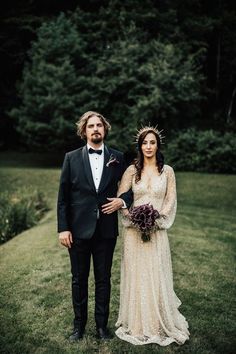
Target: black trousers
[{"x": 101, "y": 250}]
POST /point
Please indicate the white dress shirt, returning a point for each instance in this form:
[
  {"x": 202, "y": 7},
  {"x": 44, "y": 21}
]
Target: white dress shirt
[{"x": 96, "y": 164}]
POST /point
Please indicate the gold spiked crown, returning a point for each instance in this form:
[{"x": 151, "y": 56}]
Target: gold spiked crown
[{"x": 154, "y": 129}]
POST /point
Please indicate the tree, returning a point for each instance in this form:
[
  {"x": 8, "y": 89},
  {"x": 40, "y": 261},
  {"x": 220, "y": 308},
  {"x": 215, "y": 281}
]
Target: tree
[
  {"x": 77, "y": 65},
  {"x": 200, "y": 32},
  {"x": 140, "y": 83},
  {"x": 49, "y": 91}
]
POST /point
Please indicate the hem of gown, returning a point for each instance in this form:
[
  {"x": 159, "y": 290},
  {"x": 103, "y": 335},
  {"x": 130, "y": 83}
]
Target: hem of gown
[{"x": 138, "y": 340}]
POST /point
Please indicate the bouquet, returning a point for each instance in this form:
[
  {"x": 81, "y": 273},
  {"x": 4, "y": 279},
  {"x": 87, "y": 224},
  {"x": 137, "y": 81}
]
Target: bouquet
[{"x": 143, "y": 217}]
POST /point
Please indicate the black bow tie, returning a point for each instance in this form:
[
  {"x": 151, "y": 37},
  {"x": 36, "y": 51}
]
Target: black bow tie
[{"x": 92, "y": 151}]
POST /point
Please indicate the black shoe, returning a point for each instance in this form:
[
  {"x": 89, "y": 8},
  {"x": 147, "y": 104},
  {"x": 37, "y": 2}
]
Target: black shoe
[
  {"x": 103, "y": 333},
  {"x": 76, "y": 335}
]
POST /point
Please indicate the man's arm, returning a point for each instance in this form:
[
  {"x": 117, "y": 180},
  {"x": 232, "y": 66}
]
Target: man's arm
[
  {"x": 124, "y": 201},
  {"x": 127, "y": 197},
  {"x": 65, "y": 236}
]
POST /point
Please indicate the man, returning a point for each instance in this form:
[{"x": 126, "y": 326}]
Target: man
[{"x": 87, "y": 218}]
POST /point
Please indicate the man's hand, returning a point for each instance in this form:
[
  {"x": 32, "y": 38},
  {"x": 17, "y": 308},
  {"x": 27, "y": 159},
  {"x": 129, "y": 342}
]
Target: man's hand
[
  {"x": 113, "y": 205},
  {"x": 65, "y": 238}
]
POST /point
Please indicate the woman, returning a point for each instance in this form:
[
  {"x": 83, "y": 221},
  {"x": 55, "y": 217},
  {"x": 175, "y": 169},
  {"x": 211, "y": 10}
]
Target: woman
[{"x": 148, "y": 304}]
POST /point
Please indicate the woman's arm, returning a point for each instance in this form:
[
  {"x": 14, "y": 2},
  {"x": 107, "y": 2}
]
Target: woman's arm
[{"x": 169, "y": 206}]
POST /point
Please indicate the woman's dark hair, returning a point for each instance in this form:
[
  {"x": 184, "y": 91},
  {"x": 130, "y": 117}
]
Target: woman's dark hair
[{"x": 138, "y": 162}]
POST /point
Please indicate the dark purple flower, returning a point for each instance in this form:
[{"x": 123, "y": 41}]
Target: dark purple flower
[{"x": 143, "y": 217}]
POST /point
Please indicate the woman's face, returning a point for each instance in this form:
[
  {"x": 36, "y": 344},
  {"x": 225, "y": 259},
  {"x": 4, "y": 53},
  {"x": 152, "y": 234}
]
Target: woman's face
[{"x": 149, "y": 145}]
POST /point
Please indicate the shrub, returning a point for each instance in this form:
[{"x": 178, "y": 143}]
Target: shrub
[
  {"x": 206, "y": 151},
  {"x": 20, "y": 211}
]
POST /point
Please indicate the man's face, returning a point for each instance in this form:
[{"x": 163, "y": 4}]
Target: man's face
[{"x": 95, "y": 131}]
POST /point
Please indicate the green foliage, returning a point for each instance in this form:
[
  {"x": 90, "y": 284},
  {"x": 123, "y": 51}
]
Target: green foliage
[
  {"x": 207, "y": 151},
  {"x": 49, "y": 92},
  {"x": 139, "y": 83},
  {"x": 78, "y": 65},
  {"x": 20, "y": 211},
  {"x": 89, "y": 35}
]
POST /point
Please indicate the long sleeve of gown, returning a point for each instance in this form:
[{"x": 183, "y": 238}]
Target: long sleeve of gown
[
  {"x": 169, "y": 206},
  {"x": 126, "y": 181},
  {"x": 125, "y": 186}
]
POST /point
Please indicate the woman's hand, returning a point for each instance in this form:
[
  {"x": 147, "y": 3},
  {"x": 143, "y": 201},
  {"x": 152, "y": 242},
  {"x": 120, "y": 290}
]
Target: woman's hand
[{"x": 126, "y": 212}]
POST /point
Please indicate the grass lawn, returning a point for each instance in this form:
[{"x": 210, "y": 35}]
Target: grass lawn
[{"x": 36, "y": 311}]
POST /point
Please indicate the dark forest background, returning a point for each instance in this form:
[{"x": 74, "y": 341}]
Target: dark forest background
[{"x": 171, "y": 63}]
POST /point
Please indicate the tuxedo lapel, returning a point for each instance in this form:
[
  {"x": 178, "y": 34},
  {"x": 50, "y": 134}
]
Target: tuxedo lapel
[
  {"x": 106, "y": 173},
  {"x": 87, "y": 168}
]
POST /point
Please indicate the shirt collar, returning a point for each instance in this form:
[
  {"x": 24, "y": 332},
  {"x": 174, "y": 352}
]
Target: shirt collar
[{"x": 100, "y": 148}]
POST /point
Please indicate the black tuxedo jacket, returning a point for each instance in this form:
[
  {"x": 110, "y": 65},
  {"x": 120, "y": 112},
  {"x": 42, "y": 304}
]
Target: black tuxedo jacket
[{"x": 78, "y": 201}]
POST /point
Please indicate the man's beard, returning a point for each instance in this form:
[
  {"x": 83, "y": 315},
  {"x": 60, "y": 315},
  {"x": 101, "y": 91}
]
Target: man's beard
[{"x": 97, "y": 139}]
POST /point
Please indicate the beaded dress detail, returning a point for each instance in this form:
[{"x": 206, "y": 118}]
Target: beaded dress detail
[{"x": 148, "y": 310}]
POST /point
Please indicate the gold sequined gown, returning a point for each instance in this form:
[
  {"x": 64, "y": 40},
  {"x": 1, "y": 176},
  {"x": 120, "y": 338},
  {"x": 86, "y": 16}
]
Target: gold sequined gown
[{"x": 148, "y": 310}]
